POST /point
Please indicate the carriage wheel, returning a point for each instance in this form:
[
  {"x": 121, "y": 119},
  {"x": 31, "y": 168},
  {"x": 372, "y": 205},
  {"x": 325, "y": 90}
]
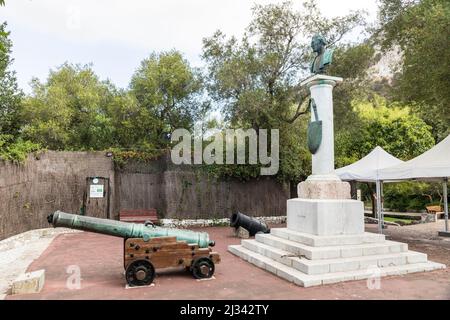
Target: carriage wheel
[
  {"x": 140, "y": 273},
  {"x": 202, "y": 268}
]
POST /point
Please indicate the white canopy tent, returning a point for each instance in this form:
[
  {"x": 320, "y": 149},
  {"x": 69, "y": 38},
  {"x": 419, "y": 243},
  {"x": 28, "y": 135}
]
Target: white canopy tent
[
  {"x": 434, "y": 164},
  {"x": 368, "y": 169}
]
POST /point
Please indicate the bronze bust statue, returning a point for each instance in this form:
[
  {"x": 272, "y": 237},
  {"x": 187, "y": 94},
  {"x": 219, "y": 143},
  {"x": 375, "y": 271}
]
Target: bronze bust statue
[{"x": 324, "y": 55}]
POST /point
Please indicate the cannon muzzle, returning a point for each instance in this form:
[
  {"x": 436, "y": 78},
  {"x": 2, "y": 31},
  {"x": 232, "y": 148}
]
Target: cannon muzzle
[
  {"x": 252, "y": 225},
  {"x": 126, "y": 230}
]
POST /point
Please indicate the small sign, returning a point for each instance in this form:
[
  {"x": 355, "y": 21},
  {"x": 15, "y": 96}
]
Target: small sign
[{"x": 96, "y": 191}]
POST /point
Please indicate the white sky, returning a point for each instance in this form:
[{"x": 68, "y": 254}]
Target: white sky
[{"x": 115, "y": 35}]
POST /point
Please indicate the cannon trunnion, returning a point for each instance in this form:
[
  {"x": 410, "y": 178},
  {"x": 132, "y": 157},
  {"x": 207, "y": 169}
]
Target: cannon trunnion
[{"x": 148, "y": 247}]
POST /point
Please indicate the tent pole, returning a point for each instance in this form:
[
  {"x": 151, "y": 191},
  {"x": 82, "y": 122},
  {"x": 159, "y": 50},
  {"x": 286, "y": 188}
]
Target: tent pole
[
  {"x": 381, "y": 205},
  {"x": 378, "y": 193},
  {"x": 445, "y": 203}
]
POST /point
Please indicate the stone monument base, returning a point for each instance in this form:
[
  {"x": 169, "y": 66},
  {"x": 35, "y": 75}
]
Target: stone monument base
[
  {"x": 323, "y": 217},
  {"x": 325, "y": 242},
  {"x": 311, "y": 260}
]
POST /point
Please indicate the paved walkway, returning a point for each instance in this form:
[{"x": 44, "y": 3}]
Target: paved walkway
[
  {"x": 101, "y": 265},
  {"x": 18, "y": 252}
]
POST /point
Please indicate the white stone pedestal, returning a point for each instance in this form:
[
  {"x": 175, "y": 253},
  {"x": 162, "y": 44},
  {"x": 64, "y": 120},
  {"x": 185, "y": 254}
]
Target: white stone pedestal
[
  {"x": 324, "y": 205},
  {"x": 324, "y": 189},
  {"x": 325, "y": 217}
]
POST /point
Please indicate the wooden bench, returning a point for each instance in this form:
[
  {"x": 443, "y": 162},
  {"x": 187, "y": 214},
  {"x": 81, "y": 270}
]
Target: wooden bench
[
  {"x": 138, "y": 215},
  {"x": 437, "y": 211}
]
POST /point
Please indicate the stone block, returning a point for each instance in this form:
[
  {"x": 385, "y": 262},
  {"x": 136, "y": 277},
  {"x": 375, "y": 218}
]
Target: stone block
[
  {"x": 326, "y": 241},
  {"x": 305, "y": 266},
  {"x": 393, "y": 264},
  {"x": 428, "y": 217},
  {"x": 351, "y": 251},
  {"x": 242, "y": 233},
  {"x": 392, "y": 261},
  {"x": 337, "y": 277},
  {"x": 325, "y": 217},
  {"x": 416, "y": 257},
  {"x": 285, "y": 273},
  {"x": 344, "y": 265},
  {"x": 331, "y": 189},
  {"x": 375, "y": 250},
  {"x": 307, "y": 281},
  {"x": 30, "y": 282}
]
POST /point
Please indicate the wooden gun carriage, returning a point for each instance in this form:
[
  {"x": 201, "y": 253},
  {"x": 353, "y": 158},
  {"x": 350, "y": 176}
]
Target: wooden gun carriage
[{"x": 148, "y": 247}]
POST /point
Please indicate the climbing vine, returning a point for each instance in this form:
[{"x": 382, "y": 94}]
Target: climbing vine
[{"x": 122, "y": 157}]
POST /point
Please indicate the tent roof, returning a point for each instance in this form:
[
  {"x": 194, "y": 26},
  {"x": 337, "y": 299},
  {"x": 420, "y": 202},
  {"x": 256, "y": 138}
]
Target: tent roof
[
  {"x": 367, "y": 169},
  {"x": 434, "y": 163}
]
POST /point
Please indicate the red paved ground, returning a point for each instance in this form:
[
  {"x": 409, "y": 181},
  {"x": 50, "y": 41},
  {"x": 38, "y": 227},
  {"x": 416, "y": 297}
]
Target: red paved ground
[{"x": 100, "y": 260}]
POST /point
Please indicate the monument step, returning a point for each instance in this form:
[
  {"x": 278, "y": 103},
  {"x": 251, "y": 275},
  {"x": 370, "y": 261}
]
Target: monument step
[
  {"x": 325, "y": 241},
  {"x": 331, "y": 252},
  {"x": 306, "y": 280},
  {"x": 333, "y": 265}
]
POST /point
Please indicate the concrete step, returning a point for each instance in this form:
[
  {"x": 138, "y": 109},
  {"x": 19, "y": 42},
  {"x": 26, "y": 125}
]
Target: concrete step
[
  {"x": 325, "y": 241},
  {"x": 306, "y": 280},
  {"x": 331, "y": 252},
  {"x": 333, "y": 265}
]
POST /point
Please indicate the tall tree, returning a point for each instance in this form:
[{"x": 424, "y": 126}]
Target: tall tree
[
  {"x": 393, "y": 127},
  {"x": 170, "y": 92},
  {"x": 421, "y": 30},
  {"x": 10, "y": 94},
  {"x": 257, "y": 78},
  {"x": 69, "y": 110}
]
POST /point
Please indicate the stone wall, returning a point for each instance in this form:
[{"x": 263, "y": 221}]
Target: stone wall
[
  {"x": 181, "y": 192},
  {"x": 51, "y": 181},
  {"x": 58, "y": 181},
  {"x": 196, "y": 196}
]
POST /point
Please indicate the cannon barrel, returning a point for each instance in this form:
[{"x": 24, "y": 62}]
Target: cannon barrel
[
  {"x": 126, "y": 230},
  {"x": 252, "y": 225}
]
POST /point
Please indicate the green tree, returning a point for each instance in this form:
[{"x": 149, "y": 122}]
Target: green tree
[
  {"x": 257, "y": 79},
  {"x": 2, "y": 32},
  {"x": 70, "y": 110},
  {"x": 134, "y": 126},
  {"x": 421, "y": 30},
  {"x": 394, "y": 128},
  {"x": 351, "y": 62},
  {"x": 12, "y": 146},
  {"x": 170, "y": 93},
  {"x": 10, "y": 94}
]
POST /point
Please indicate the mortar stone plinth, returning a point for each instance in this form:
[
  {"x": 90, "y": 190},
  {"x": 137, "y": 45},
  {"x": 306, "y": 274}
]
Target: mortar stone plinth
[
  {"x": 325, "y": 217},
  {"x": 324, "y": 189}
]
